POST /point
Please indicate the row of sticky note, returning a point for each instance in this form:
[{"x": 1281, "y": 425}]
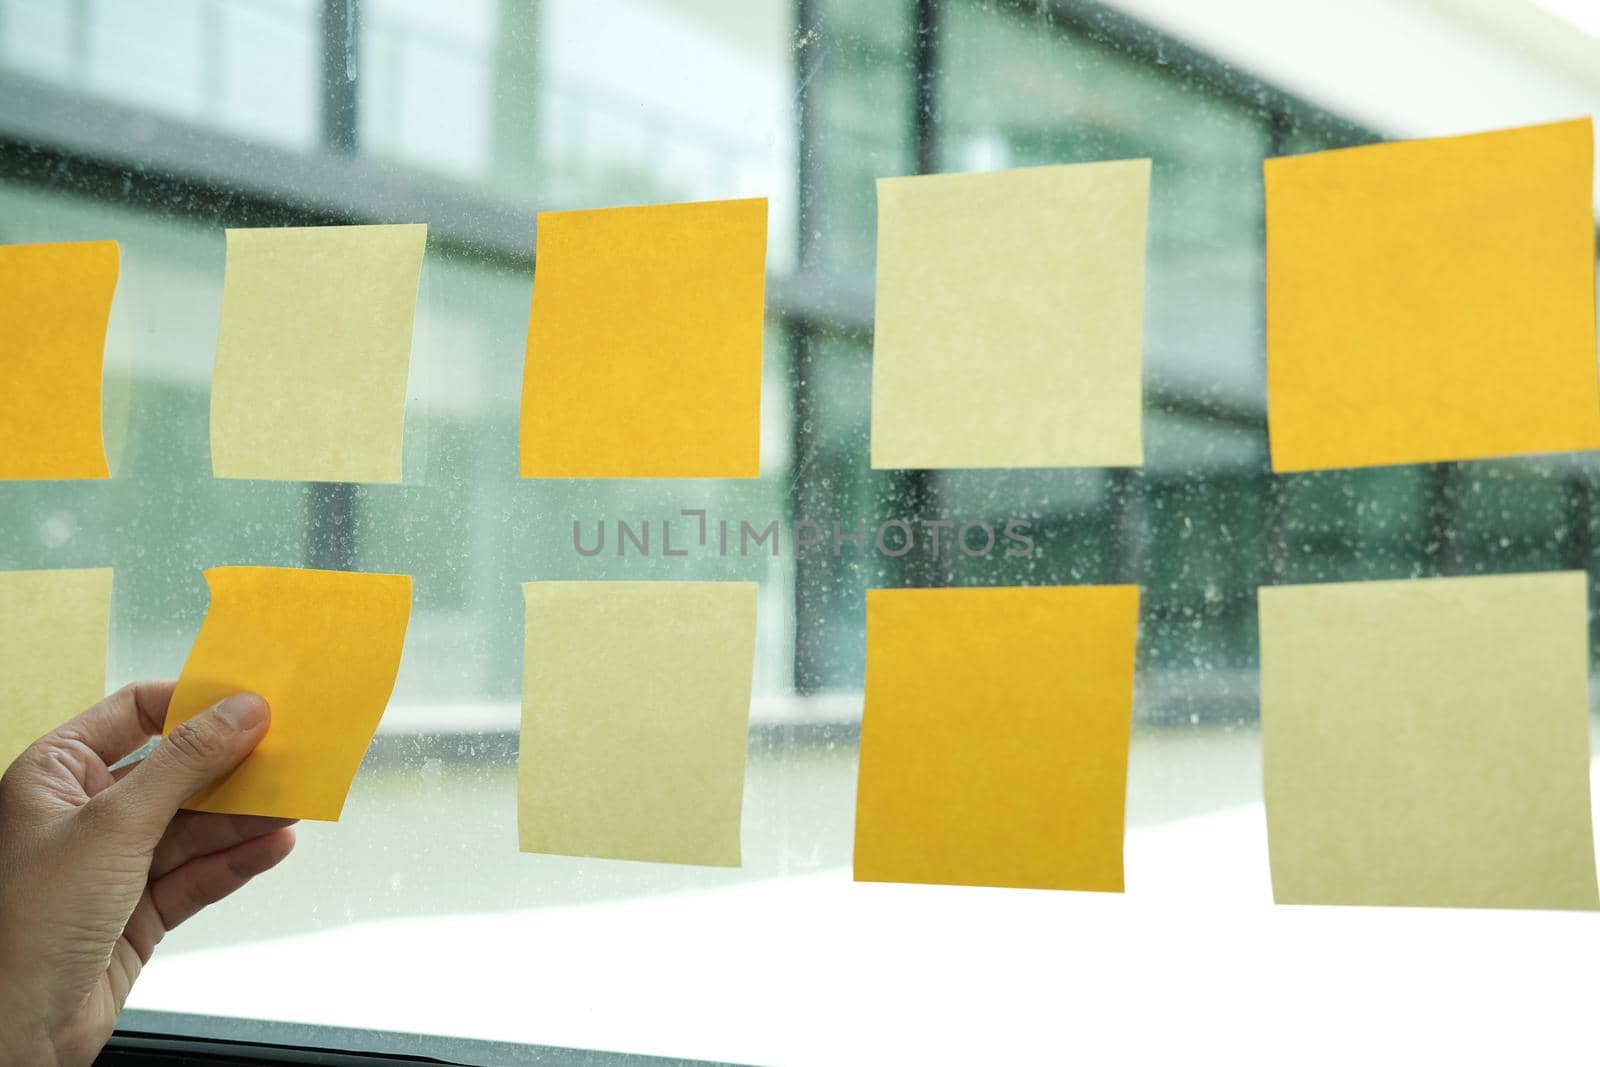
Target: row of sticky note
[
  {"x": 643, "y": 356},
  {"x": 1426, "y": 741},
  {"x": 1426, "y": 301}
]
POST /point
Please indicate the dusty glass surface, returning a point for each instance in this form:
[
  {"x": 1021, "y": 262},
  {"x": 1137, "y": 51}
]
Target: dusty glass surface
[{"x": 157, "y": 125}]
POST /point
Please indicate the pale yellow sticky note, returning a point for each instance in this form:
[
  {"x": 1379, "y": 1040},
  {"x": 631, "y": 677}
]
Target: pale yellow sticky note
[
  {"x": 1010, "y": 315},
  {"x": 635, "y": 711},
  {"x": 1432, "y": 300},
  {"x": 644, "y": 344},
  {"x": 323, "y": 648},
  {"x": 313, "y": 351},
  {"x": 994, "y": 743},
  {"x": 1427, "y": 742},
  {"x": 53, "y": 627},
  {"x": 55, "y": 301}
]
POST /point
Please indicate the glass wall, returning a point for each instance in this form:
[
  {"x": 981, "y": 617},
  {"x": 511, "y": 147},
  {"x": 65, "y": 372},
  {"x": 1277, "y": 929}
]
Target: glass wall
[{"x": 511, "y": 107}]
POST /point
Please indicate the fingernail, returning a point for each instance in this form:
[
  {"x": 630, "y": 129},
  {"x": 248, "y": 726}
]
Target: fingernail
[{"x": 243, "y": 711}]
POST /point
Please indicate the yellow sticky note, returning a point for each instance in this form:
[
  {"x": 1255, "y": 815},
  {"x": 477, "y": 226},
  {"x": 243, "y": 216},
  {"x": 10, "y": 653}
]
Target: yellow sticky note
[
  {"x": 313, "y": 351},
  {"x": 1010, "y": 314},
  {"x": 635, "y": 710},
  {"x": 644, "y": 344},
  {"x": 1427, "y": 742},
  {"x": 994, "y": 744},
  {"x": 55, "y": 301},
  {"x": 1432, "y": 300},
  {"x": 323, "y": 648},
  {"x": 53, "y": 653}
]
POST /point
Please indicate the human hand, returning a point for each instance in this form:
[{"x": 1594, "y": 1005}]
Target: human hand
[{"x": 97, "y": 865}]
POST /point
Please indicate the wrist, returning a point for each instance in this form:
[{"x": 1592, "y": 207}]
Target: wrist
[{"x": 25, "y": 1037}]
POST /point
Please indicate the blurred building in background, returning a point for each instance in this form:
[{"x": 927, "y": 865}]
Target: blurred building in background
[{"x": 158, "y": 123}]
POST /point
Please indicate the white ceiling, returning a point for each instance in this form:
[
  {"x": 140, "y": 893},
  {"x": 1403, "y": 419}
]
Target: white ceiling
[{"x": 1407, "y": 68}]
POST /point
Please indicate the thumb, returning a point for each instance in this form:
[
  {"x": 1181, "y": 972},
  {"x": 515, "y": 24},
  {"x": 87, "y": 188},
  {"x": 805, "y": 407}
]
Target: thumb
[{"x": 197, "y": 753}]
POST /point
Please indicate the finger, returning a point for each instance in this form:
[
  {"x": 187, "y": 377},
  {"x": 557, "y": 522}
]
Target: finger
[
  {"x": 197, "y": 753},
  {"x": 117, "y": 726},
  {"x": 199, "y": 833},
  {"x": 203, "y": 881},
  {"x": 122, "y": 971},
  {"x": 144, "y": 929}
]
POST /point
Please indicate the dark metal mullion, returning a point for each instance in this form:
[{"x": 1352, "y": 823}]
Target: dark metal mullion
[
  {"x": 806, "y": 475},
  {"x": 809, "y": 499},
  {"x": 919, "y": 489},
  {"x": 808, "y": 65},
  {"x": 925, "y": 88},
  {"x": 331, "y": 507},
  {"x": 1442, "y": 511},
  {"x": 341, "y": 65}
]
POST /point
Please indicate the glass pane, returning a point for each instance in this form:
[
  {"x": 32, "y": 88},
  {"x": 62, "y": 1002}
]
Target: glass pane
[{"x": 416, "y": 912}]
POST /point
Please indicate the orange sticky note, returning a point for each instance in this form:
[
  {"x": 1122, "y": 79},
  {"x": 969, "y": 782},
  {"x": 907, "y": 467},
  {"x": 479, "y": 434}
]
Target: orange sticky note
[
  {"x": 323, "y": 648},
  {"x": 994, "y": 745},
  {"x": 644, "y": 344},
  {"x": 55, "y": 301},
  {"x": 1432, "y": 300}
]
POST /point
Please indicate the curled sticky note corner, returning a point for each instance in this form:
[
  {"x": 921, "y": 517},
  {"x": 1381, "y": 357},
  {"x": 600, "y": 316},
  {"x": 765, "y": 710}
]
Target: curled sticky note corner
[{"x": 323, "y": 648}]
